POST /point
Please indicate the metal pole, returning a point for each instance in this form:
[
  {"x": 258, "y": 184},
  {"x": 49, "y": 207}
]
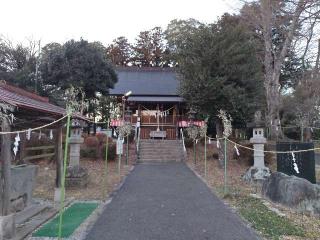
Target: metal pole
[
  {"x": 225, "y": 165},
  {"x": 105, "y": 173},
  {"x": 127, "y": 155},
  {"x": 62, "y": 197},
  {"x": 194, "y": 152},
  {"x": 119, "y": 165},
  {"x": 205, "y": 157}
]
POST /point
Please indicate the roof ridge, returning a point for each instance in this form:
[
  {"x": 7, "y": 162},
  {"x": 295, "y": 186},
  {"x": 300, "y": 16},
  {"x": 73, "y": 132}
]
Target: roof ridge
[
  {"x": 23, "y": 92},
  {"x": 145, "y": 69}
]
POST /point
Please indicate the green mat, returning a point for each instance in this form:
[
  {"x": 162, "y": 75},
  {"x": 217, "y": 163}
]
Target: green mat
[{"x": 72, "y": 218}]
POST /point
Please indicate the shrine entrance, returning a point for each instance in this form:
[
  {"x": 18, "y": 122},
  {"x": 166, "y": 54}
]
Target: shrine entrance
[{"x": 158, "y": 121}]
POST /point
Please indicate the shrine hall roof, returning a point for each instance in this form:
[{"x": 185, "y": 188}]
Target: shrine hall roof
[{"x": 146, "y": 82}]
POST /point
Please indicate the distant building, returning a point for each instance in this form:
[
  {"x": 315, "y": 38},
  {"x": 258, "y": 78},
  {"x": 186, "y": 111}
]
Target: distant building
[{"x": 155, "y": 102}]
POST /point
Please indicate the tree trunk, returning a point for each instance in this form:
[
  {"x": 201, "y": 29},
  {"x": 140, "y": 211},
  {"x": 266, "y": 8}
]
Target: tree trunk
[
  {"x": 273, "y": 106},
  {"x": 308, "y": 134},
  {"x": 6, "y": 158},
  {"x": 219, "y": 130},
  {"x": 273, "y": 61}
]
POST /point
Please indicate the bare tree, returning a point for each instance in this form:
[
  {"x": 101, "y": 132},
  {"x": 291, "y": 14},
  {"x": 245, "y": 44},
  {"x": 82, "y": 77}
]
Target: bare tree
[{"x": 287, "y": 18}]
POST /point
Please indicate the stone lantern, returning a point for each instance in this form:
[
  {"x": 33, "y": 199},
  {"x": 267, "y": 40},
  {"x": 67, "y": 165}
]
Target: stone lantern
[
  {"x": 76, "y": 176},
  {"x": 192, "y": 116},
  {"x": 75, "y": 141},
  {"x": 258, "y": 171}
]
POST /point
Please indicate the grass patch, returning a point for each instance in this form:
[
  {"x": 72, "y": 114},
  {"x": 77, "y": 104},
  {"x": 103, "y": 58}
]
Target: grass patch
[
  {"x": 266, "y": 221},
  {"x": 72, "y": 218}
]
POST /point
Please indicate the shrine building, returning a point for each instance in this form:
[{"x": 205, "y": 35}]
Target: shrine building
[{"x": 154, "y": 101}]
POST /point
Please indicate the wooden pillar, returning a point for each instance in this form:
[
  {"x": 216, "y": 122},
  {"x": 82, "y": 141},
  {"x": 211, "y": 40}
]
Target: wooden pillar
[
  {"x": 174, "y": 119},
  {"x": 6, "y": 158},
  {"x": 59, "y": 155},
  {"x": 139, "y": 110}
]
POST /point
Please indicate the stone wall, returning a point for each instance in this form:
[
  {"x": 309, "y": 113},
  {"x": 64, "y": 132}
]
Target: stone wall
[{"x": 23, "y": 180}]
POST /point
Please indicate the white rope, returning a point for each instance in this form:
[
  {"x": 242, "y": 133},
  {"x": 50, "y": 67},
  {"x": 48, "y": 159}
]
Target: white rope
[
  {"x": 34, "y": 129},
  {"x": 275, "y": 152},
  {"x": 97, "y": 122},
  {"x": 161, "y": 112}
]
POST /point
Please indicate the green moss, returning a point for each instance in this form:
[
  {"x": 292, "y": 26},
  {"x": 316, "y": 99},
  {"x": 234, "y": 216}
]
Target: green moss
[{"x": 266, "y": 221}]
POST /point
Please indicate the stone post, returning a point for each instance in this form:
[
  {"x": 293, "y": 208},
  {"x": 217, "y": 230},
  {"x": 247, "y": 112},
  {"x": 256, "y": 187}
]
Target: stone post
[{"x": 258, "y": 172}]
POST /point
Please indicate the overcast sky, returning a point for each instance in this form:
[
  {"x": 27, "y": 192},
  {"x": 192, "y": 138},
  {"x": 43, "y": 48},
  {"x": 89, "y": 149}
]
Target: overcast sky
[{"x": 99, "y": 20}]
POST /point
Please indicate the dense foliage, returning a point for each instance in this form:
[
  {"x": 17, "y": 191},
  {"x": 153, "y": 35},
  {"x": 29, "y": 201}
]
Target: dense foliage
[{"x": 218, "y": 66}]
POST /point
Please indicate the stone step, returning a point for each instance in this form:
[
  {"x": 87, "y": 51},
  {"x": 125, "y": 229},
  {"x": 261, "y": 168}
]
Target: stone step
[
  {"x": 159, "y": 160},
  {"x": 158, "y": 147},
  {"x": 35, "y": 222},
  {"x": 158, "y": 151},
  {"x": 29, "y": 212}
]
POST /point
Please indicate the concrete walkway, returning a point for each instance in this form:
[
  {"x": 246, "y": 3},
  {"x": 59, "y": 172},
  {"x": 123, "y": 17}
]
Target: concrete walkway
[{"x": 167, "y": 202}]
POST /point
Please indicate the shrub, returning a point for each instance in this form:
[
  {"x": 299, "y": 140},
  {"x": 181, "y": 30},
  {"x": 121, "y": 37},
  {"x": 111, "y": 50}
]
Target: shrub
[
  {"x": 215, "y": 155},
  {"x": 91, "y": 141},
  {"x": 88, "y": 153},
  {"x": 188, "y": 142},
  {"x": 112, "y": 151}
]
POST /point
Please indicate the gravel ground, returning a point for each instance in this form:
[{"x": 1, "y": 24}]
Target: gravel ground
[
  {"x": 44, "y": 190},
  {"x": 237, "y": 187}
]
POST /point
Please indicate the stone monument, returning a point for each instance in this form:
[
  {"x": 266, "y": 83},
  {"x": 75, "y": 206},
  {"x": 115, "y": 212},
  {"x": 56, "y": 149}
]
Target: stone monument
[
  {"x": 76, "y": 176},
  {"x": 258, "y": 172}
]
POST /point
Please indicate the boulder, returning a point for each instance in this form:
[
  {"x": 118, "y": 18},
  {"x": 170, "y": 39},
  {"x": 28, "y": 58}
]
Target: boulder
[{"x": 294, "y": 192}]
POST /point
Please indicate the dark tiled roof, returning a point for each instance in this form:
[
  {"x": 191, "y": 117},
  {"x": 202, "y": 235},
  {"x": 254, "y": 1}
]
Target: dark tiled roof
[
  {"x": 155, "y": 99},
  {"x": 146, "y": 81}
]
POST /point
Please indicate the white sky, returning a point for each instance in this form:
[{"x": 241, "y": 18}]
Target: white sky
[{"x": 99, "y": 20}]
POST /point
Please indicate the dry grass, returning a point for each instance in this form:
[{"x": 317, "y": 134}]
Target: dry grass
[
  {"x": 239, "y": 189},
  {"x": 94, "y": 191}
]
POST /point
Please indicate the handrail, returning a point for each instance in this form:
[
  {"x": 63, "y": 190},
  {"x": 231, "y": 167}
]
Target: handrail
[
  {"x": 138, "y": 140},
  {"x": 182, "y": 137}
]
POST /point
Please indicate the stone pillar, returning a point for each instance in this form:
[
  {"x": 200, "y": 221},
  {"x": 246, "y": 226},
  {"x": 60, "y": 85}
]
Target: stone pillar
[{"x": 258, "y": 171}]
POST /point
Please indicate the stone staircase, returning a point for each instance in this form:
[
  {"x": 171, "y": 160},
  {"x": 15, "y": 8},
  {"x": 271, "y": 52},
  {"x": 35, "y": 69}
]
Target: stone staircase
[{"x": 152, "y": 150}]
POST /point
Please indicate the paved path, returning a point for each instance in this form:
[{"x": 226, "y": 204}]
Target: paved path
[{"x": 167, "y": 202}]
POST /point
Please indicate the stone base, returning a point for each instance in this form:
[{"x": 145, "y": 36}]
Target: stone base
[
  {"x": 76, "y": 177},
  {"x": 257, "y": 174},
  {"x": 7, "y": 227},
  {"x": 57, "y": 195}
]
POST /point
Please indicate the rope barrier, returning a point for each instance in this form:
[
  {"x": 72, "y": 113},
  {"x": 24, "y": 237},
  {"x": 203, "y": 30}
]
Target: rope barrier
[
  {"x": 34, "y": 129},
  {"x": 275, "y": 152},
  {"x": 97, "y": 122}
]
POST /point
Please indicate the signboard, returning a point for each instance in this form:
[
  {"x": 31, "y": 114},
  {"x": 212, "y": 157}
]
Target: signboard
[
  {"x": 109, "y": 132},
  {"x": 305, "y": 161},
  {"x": 119, "y": 146},
  {"x": 158, "y": 134}
]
